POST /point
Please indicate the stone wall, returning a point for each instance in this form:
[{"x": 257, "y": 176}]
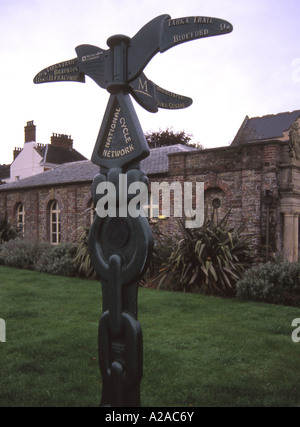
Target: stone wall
[
  {"x": 74, "y": 201},
  {"x": 251, "y": 180},
  {"x": 240, "y": 177}
]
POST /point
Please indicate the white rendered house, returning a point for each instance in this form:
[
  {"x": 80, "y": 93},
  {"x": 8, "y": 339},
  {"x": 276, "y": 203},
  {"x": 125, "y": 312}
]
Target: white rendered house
[{"x": 35, "y": 158}]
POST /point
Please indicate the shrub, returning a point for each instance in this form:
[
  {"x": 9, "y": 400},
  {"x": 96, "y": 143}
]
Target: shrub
[
  {"x": 163, "y": 247},
  {"x": 19, "y": 253},
  {"x": 7, "y": 231},
  {"x": 271, "y": 283},
  {"x": 56, "y": 260},
  {"x": 24, "y": 254},
  {"x": 81, "y": 260},
  {"x": 210, "y": 259}
]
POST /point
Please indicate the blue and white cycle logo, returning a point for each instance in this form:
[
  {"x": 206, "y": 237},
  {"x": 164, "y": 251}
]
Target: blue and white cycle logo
[{"x": 2, "y": 330}]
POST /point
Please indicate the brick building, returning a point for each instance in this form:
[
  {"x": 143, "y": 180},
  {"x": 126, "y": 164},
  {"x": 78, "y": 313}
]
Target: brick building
[
  {"x": 257, "y": 177},
  {"x": 52, "y": 206}
]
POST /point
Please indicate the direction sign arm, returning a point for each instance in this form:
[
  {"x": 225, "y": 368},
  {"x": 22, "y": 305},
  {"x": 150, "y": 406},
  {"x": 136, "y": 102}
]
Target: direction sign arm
[
  {"x": 152, "y": 97},
  {"x": 144, "y": 45},
  {"x": 181, "y": 30},
  {"x": 61, "y": 72},
  {"x": 95, "y": 63},
  {"x": 162, "y": 33}
]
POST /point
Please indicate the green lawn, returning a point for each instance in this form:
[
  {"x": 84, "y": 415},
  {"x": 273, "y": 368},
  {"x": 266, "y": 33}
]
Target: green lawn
[{"x": 198, "y": 351}]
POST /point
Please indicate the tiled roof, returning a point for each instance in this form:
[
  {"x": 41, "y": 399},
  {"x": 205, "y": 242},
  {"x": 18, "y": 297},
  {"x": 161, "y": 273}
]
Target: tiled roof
[
  {"x": 265, "y": 128},
  {"x": 63, "y": 174},
  {"x": 84, "y": 171},
  {"x": 4, "y": 172},
  {"x": 157, "y": 162},
  {"x": 60, "y": 155},
  {"x": 41, "y": 149}
]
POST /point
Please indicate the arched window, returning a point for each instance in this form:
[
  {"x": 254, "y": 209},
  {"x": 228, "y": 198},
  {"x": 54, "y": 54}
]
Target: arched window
[
  {"x": 21, "y": 218},
  {"x": 216, "y": 203},
  {"x": 55, "y": 224}
]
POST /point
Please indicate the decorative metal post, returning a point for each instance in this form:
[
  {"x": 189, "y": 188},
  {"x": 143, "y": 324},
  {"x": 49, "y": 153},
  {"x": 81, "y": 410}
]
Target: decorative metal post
[{"x": 121, "y": 243}]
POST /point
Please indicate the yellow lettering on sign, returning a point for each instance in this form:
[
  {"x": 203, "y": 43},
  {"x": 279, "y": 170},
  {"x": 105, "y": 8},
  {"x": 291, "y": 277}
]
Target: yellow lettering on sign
[
  {"x": 118, "y": 153},
  {"x": 165, "y": 92},
  {"x": 143, "y": 88},
  {"x": 203, "y": 20},
  {"x": 175, "y": 106},
  {"x": 112, "y": 128},
  {"x": 125, "y": 130},
  {"x": 180, "y": 21},
  {"x": 190, "y": 36}
]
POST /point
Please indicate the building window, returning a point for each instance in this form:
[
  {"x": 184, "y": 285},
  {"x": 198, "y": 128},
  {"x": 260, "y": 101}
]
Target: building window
[
  {"x": 21, "y": 218},
  {"x": 152, "y": 209},
  {"x": 55, "y": 223}
]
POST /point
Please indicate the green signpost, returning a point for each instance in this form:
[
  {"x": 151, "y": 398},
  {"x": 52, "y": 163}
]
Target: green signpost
[{"x": 121, "y": 245}]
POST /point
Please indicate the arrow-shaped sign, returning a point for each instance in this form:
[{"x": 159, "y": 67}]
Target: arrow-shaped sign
[
  {"x": 162, "y": 33},
  {"x": 61, "y": 72},
  {"x": 176, "y": 31},
  {"x": 158, "y": 35},
  {"x": 152, "y": 97},
  {"x": 95, "y": 63},
  {"x": 149, "y": 95}
]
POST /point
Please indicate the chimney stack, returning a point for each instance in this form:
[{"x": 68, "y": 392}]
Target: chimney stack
[
  {"x": 60, "y": 140},
  {"x": 30, "y": 132},
  {"x": 16, "y": 152}
]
